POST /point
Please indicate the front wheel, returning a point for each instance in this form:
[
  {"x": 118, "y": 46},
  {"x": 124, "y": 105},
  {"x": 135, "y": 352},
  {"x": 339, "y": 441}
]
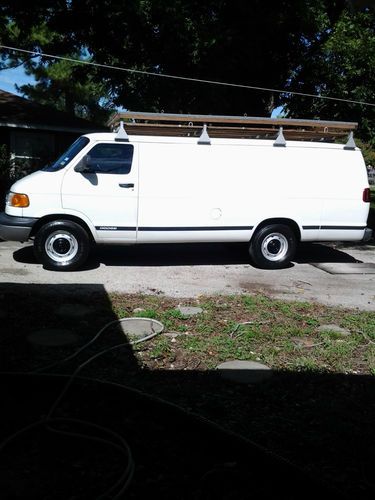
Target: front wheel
[
  {"x": 62, "y": 245},
  {"x": 273, "y": 246}
]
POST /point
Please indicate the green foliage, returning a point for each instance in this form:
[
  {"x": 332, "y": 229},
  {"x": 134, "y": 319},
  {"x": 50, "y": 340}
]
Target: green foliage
[
  {"x": 147, "y": 313},
  {"x": 368, "y": 152},
  {"x": 340, "y": 64},
  {"x": 64, "y": 85},
  {"x": 311, "y": 46},
  {"x": 257, "y": 43}
]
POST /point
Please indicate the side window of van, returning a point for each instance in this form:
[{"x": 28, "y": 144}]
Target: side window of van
[{"x": 111, "y": 158}]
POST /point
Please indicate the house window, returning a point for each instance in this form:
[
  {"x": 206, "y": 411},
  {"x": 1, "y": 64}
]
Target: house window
[{"x": 31, "y": 150}]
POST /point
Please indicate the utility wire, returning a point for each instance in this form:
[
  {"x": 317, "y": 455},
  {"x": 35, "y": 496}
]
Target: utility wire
[{"x": 175, "y": 77}]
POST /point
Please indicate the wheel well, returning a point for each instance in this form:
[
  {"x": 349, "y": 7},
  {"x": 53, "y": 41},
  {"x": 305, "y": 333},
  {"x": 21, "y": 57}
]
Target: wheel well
[
  {"x": 49, "y": 218},
  {"x": 280, "y": 220}
]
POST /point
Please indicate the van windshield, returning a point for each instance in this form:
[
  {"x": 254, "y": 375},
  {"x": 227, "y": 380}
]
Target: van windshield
[{"x": 69, "y": 154}]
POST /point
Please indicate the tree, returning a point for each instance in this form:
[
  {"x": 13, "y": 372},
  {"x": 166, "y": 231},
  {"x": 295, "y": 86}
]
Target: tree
[
  {"x": 64, "y": 85},
  {"x": 342, "y": 66},
  {"x": 68, "y": 87},
  {"x": 313, "y": 46},
  {"x": 256, "y": 43}
]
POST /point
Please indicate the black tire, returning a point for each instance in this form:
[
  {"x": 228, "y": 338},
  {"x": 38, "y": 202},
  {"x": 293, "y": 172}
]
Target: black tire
[
  {"x": 273, "y": 246},
  {"x": 62, "y": 245}
]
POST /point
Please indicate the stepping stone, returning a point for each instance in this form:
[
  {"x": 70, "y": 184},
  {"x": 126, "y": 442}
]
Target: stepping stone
[
  {"x": 74, "y": 310},
  {"x": 245, "y": 372},
  {"x": 52, "y": 337},
  {"x": 189, "y": 311},
  {"x": 334, "y": 328}
]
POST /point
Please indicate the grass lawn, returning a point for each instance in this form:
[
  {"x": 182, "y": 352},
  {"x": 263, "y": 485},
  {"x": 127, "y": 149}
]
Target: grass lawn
[{"x": 283, "y": 335}]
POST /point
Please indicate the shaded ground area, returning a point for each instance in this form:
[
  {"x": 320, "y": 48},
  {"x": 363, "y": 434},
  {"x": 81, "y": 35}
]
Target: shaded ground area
[{"x": 304, "y": 429}]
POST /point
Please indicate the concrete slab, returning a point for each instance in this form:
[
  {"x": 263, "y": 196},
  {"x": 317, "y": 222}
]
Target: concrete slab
[
  {"x": 245, "y": 372},
  {"x": 190, "y": 271},
  {"x": 189, "y": 311},
  {"x": 335, "y": 329},
  {"x": 346, "y": 267}
]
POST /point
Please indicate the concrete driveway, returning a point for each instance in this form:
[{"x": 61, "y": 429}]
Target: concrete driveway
[{"x": 192, "y": 270}]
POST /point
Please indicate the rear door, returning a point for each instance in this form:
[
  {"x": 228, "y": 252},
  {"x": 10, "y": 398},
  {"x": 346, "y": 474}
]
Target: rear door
[{"x": 108, "y": 196}]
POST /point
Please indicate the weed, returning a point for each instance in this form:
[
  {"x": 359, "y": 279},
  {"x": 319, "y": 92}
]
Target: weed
[
  {"x": 160, "y": 348},
  {"x": 146, "y": 313},
  {"x": 173, "y": 313},
  {"x": 304, "y": 363}
]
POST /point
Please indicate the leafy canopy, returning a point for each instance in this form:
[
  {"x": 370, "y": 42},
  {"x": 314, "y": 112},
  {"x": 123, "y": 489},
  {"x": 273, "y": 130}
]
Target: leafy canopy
[{"x": 313, "y": 46}]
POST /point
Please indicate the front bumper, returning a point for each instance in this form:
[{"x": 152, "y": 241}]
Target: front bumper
[{"x": 14, "y": 228}]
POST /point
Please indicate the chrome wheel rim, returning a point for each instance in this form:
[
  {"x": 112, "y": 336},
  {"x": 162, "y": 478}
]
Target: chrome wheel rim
[
  {"x": 275, "y": 247},
  {"x": 61, "y": 246}
]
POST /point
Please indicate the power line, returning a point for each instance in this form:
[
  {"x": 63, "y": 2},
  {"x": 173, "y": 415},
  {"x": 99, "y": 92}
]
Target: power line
[{"x": 175, "y": 77}]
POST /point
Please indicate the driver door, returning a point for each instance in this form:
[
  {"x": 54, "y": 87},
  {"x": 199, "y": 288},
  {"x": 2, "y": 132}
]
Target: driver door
[{"x": 107, "y": 193}]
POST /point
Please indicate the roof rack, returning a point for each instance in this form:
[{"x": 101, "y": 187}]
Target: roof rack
[{"x": 246, "y": 127}]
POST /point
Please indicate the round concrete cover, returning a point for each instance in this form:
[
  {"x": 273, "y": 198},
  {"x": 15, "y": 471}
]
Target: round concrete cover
[
  {"x": 140, "y": 327},
  {"x": 52, "y": 337},
  {"x": 245, "y": 372}
]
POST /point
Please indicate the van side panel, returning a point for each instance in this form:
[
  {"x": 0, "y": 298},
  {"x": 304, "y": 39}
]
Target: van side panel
[
  {"x": 191, "y": 192},
  {"x": 344, "y": 214}
]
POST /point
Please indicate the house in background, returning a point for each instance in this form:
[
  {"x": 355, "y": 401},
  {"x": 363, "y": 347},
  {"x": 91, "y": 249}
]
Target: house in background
[{"x": 35, "y": 134}]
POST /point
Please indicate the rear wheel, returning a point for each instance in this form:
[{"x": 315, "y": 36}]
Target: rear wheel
[
  {"x": 62, "y": 245},
  {"x": 273, "y": 246}
]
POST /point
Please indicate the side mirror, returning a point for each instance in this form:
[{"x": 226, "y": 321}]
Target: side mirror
[{"x": 83, "y": 166}]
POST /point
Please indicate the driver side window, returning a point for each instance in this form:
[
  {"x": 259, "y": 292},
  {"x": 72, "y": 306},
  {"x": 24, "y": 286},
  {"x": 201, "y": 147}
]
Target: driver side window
[{"x": 111, "y": 158}]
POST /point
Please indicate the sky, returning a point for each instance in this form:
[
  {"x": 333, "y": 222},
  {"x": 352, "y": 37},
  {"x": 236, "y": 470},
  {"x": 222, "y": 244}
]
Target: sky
[{"x": 10, "y": 77}]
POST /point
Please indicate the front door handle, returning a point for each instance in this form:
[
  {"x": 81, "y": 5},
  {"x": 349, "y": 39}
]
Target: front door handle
[{"x": 131, "y": 185}]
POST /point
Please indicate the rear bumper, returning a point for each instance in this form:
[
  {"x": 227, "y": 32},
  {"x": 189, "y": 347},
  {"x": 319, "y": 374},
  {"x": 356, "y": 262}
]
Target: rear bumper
[
  {"x": 15, "y": 228},
  {"x": 368, "y": 234}
]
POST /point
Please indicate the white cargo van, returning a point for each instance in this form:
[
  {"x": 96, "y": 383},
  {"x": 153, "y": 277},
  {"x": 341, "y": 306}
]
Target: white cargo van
[{"x": 111, "y": 188}]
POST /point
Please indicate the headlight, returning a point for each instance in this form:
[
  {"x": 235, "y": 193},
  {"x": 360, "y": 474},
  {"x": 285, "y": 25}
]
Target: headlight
[{"x": 17, "y": 200}]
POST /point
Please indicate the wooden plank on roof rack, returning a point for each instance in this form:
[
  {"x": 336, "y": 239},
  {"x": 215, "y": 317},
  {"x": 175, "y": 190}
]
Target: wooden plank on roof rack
[
  {"x": 197, "y": 129},
  {"x": 246, "y": 120},
  {"x": 232, "y": 132}
]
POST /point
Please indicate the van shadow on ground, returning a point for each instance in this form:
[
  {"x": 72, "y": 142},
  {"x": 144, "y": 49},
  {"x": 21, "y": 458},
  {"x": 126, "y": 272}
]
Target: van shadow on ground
[
  {"x": 308, "y": 434},
  {"x": 189, "y": 255}
]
